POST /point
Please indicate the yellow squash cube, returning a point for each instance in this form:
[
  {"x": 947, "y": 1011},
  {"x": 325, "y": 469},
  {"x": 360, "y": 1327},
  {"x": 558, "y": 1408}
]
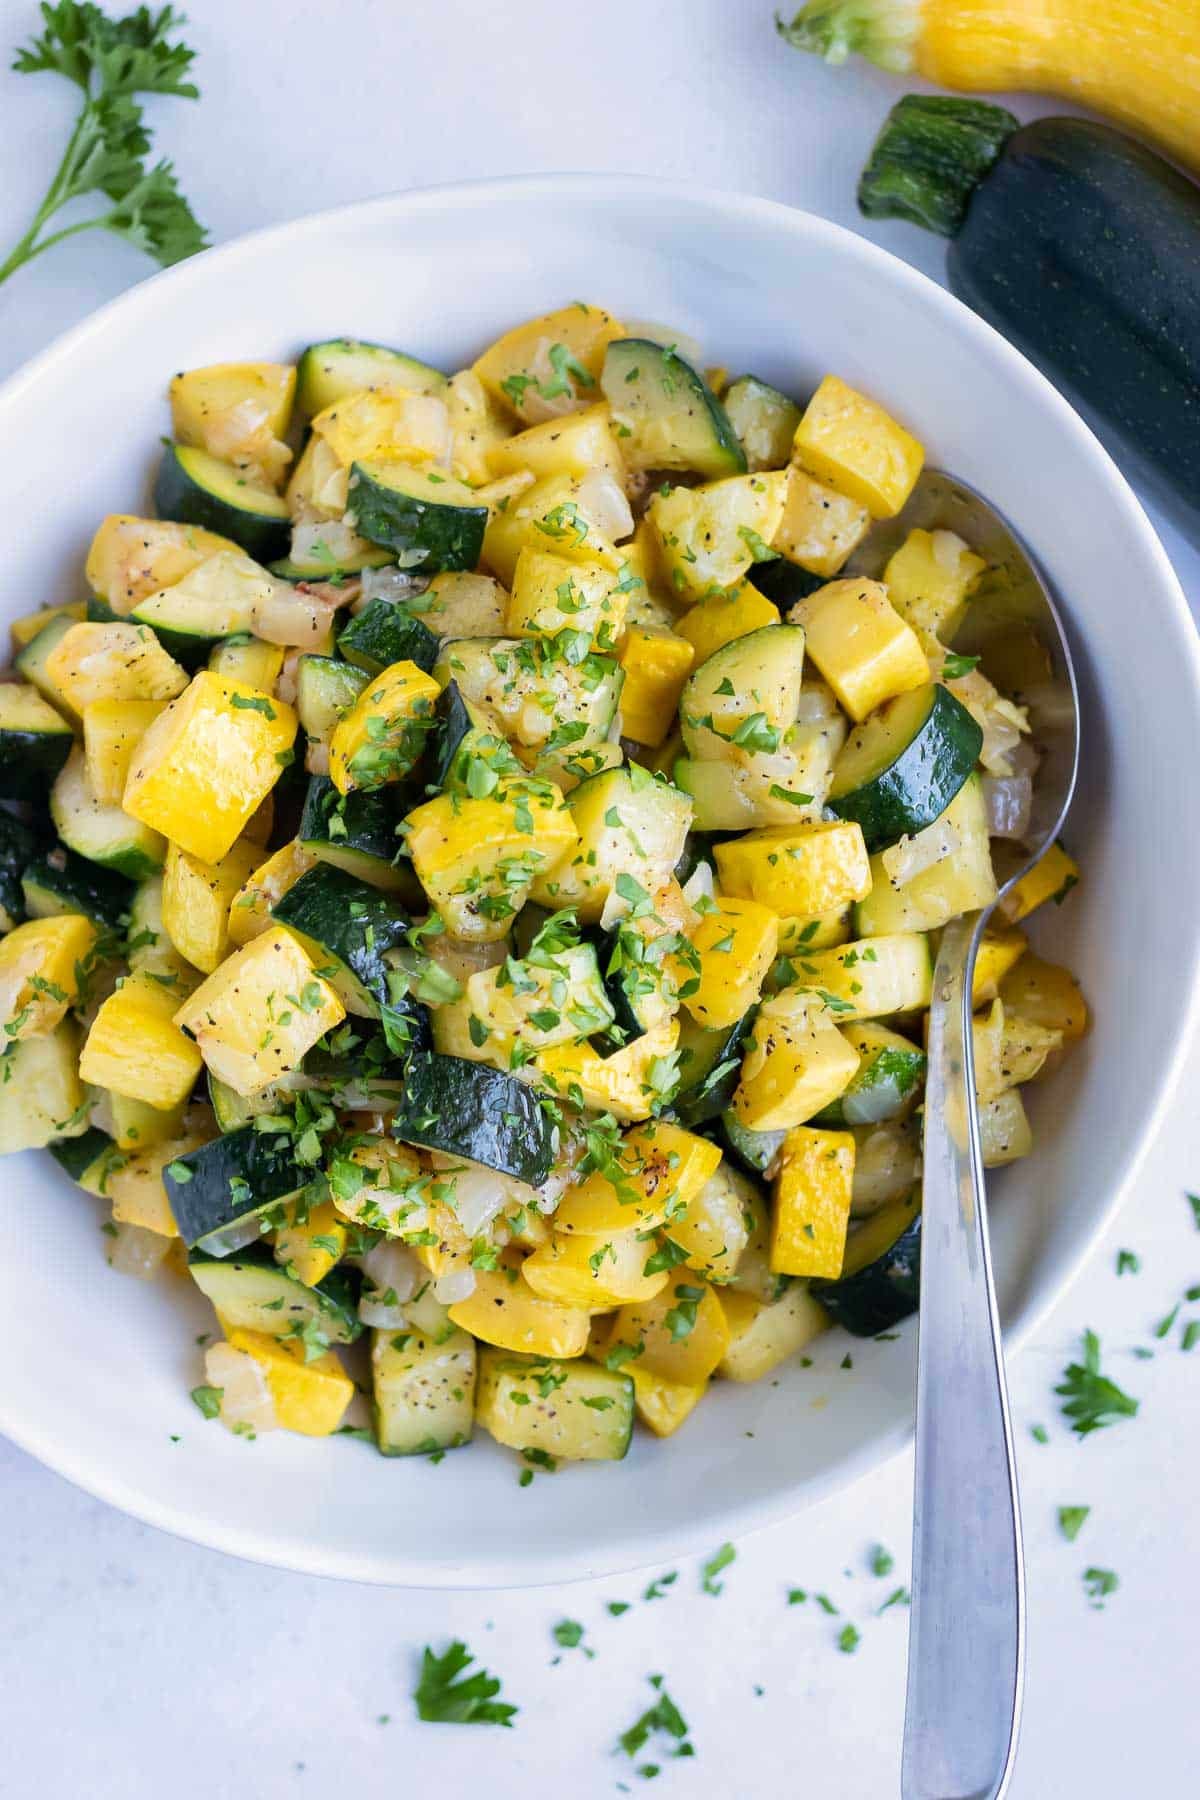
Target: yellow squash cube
[
  {"x": 236, "y": 411},
  {"x": 596, "y": 1273},
  {"x": 763, "y": 1334},
  {"x": 112, "y": 731},
  {"x": 812, "y": 1202},
  {"x": 309, "y": 1397},
  {"x": 819, "y": 527},
  {"x": 656, "y": 666},
  {"x": 208, "y": 762},
  {"x": 118, "y": 661},
  {"x": 661, "y": 1169},
  {"x": 802, "y": 869},
  {"x": 680, "y": 1335},
  {"x": 1051, "y": 877},
  {"x": 552, "y": 593},
  {"x": 564, "y": 513},
  {"x": 1047, "y": 994},
  {"x": 255, "y": 1017},
  {"x": 373, "y": 426},
  {"x": 863, "y": 648},
  {"x": 796, "y": 1062},
  {"x": 308, "y": 1248},
  {"x": 736, "y": 943},
  {"x": 250, "y": 908},
  {"x": 998, "y": 951},
  {"x": 476, "y": 859},
  {"x": 505, "y": 1311},
  {"x": 849, "y": 442},
  {"x": 248, "y": 659},
  {"x": 798, "y": 935},
  {"x": 549, "y": 365},
  {"x": 196, "y": 899},
  {"x": 730, "y": 613},
  {"x": 380, "y": 738},
  {"x": 131, "y": 558},
  {"x": 477, "y": 426},
  {"x": 575, "y": 444},
  {"x": 710, "y": 536},
  {"x": 39, "y": 973},
  {"x": 622, "y": 1083},
  {"x": 136, "y": 1048},
  {"x": 929, "y": 579},
  {"x": 663, "y": 1405}
]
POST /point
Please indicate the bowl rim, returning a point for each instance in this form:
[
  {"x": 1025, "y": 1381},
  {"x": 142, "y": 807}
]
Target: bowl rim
[{"x": 635, "y": 1549}]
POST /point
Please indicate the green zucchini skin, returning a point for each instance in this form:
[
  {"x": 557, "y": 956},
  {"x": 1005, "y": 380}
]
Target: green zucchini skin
[
  {"x": 180, "y": 492},
  {"x": 1083, "y": 248},
  {"x": 30, "y": 760},
  {"x": 77, "y": 1155},
  {"x": 385, "y": 633},
  {"x": 468, "y": 1109},
  {"x": 351, "y": 924},
  {"x": 883, "y": 1293},
  {"x": 205, "y": 1199},
  {"x": 18, "y": 847},
  {"x": 921, "y": 781},
  {"x": 755, "y": 1151},
  {"x": 62, "y": 882},
  {"x": 784, "y": 582},
  {"x": 251, "y": 1290},
  {"x": 703, "y": 1093},
  {"x": 357, "y": 831},
  {"x": 426, "y": 535}
]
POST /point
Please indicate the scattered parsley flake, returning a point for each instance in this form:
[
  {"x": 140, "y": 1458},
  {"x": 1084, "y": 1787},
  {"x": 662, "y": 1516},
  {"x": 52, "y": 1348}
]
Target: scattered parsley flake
[{"x": 443, "y": 1699}]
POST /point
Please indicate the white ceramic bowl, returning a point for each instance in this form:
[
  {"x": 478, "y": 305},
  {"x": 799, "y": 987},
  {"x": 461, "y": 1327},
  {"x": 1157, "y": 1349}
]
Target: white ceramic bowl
[{"x": 97, "y": 1368}]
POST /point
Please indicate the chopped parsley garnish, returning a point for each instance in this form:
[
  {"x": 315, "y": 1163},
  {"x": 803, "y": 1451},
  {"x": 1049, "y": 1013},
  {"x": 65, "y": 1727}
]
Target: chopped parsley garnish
[
  {"x": 208, "y": 1399},
  {"x": 1071, "y": 1520},
  {"x": 709, "y": 1571},
  {"x": 849, "y": 1638},
  {"x": 882, "y": 1562},
  {"x": 1128, "y": 1263},
  {"x": 1091, "y": 1400},
  {"x": 1098, "y": 1585},
  {"x": 663, "y": 1717},
  {"x": 955, "y": 666},
  {"x": 441, "y": 1698}
]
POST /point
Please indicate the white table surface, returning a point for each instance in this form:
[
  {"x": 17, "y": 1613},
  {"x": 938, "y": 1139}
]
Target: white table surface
[{"x": 133, "y": 1665}]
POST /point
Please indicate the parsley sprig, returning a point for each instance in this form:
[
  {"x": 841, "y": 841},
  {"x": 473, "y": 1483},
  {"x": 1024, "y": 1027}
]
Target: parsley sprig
[
  {"x": 1090, "y": 1400},
  {"x": 443, "y": 1699},
  {"x": 111, "y": 61}
]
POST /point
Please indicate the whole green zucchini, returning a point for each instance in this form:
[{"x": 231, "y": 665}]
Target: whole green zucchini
[{"x": 1082, "y": 247}]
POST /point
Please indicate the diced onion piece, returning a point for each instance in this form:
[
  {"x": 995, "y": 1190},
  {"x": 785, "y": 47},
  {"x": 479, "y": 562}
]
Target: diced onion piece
[
  {"x": 392, "y": 1269},
  {"x": 602, "y": 499},
  {"x": 138, "y": 1252},
  {"x": 381, "y": 1314},
  {"x": 699, "y": 884},
  {"x": 316, "y": 757},
  {"x": 456, "y": 1285},
  {"x": 1008, "y": 800},
  {"x": 817, "y": 703},
  {"x": 300, "y": 615},
  {"x": 245, "y": 1397},
  {"x": 479, "y": 1196},
  {"x": 236, "y": 1236},
  {"x": 333, "y": 542},
  {"x": 913, "y": 855},
  {"x": 391, "y": 584}
]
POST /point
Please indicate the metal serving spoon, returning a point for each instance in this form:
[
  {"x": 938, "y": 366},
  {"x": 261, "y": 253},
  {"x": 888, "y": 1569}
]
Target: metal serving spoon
[{"x": 967, "y": 1633}]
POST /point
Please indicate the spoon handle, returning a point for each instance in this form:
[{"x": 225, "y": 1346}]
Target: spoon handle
[{"x": 967, "y": 1633}]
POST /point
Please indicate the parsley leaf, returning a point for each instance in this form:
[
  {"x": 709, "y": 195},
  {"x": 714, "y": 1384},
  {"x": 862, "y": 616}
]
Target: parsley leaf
[
  {"x": 110, "y": 61},
  {"x": 709, "y": 1571},
  {"x": 664, "y": 1716},
  {"x": 1099, "y": 1584},
  {"x": 1091, "y": 1400},
  {"x": 1071, "y": 1519},
  {"x": 442, "y": 1699},
  {"x": 954, "y": 667}
]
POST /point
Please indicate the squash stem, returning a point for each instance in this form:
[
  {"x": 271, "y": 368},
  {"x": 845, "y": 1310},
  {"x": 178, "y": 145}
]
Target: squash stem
[
  {"x": 884, "y": 31},
  {"x": 929, "y": 158}
]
